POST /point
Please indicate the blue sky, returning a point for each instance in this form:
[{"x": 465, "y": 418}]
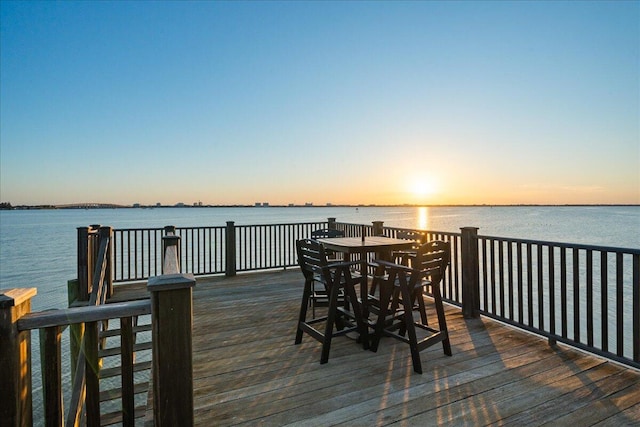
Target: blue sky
[{"x": 322, "y": 102}]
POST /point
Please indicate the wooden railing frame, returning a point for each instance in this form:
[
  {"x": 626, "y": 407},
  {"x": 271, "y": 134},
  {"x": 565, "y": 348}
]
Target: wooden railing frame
[
  {"x": 94, "y": 269},
  {"x": 171, "y": 308},
  {"x": 16, "y": 323}
]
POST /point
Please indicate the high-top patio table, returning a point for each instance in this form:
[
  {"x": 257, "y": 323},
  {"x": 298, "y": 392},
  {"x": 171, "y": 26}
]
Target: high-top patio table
[{"x": 382, "y": 246}]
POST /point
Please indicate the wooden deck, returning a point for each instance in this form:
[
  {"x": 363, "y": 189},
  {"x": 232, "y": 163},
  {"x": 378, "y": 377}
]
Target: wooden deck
[{"x": 247, "y": 371}]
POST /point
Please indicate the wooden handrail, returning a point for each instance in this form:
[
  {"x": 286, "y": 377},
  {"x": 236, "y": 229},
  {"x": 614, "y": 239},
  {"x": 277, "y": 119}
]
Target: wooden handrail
[{"x": 69, "y": 316}]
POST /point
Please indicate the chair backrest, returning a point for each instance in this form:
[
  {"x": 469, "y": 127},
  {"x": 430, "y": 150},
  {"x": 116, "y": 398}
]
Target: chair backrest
[
  {"x": 311, "y": 257},
  {"x": 432, "y": 260},
  {"x": 326, "y": 232}
]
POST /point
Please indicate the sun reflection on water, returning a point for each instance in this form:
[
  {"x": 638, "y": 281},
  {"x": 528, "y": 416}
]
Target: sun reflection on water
[{"x": 423, "y": 218}]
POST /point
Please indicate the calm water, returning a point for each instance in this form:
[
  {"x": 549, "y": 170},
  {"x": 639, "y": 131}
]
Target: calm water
[{"x": 38, "y": 248}]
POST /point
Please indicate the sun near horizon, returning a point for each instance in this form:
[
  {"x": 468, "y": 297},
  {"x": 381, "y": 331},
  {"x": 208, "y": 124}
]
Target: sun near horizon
[{"x": 422, "y": 189}]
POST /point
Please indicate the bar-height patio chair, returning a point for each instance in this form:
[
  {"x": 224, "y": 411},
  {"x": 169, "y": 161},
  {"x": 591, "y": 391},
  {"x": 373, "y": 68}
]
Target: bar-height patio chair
[
  {"x": 319, "y": 297},
  {"x": 401, "y": 293},
  {"x": 341, "y": 318}
]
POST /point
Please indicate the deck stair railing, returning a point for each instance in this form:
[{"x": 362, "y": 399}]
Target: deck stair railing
[
  {"x": 93, "y": 395},
  {"x": 119, "y": 348},
  {"x": 88, "y": 320}
]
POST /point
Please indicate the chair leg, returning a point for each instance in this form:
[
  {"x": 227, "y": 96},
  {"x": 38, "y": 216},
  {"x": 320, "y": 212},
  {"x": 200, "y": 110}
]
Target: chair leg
[
  {"x": 338, "y": 320},
  {"x": 421, "y": 307},
  {"x": 350, "y": 294},
  {"x": 397, "y": 300},
  {"x": 442, "y": 320},
  {"x": 385, "y": 294},
  {"x": 331, "y": 320},
  {"x": 417, "y": 302},
  {"x": 313, "y": 299},
  {"x": 302, "y": 317},
  {"x": 407, "y": 304}
]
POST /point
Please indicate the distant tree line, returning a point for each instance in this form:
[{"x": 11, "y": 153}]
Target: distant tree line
[{"x": 5, "y": 206}]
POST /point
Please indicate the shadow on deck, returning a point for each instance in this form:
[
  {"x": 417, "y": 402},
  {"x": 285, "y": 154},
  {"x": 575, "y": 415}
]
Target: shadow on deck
[{"x": 247, "y": 371}]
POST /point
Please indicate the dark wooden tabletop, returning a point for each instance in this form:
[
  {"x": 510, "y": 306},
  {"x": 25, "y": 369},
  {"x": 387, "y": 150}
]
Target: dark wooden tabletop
[{"x": 369, "y": 244}]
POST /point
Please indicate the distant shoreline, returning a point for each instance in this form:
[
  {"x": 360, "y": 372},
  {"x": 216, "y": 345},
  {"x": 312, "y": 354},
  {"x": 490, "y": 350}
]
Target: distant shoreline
[{"x": 114, "y": 206}]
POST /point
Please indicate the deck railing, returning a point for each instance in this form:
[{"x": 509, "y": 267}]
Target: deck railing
[
  {"x": 228, "y": 249},
  {"x": 208, "y": 250},
  {"x": 582, "y": 295},
  {"x": 170, "y": 307},
  {"x": 588, "y": 298}
]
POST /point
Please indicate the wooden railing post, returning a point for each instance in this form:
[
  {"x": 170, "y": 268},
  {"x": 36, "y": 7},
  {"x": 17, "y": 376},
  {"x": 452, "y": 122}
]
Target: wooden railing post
[
  {"x": 470, "y": 273},
  {"x": 92, "y": 374},
  {"x": 51, "y": 367},
  {"x": 170, "y": 230},
  {"x": 94, "y": 248},
  {"x": 87, "y": 253},
  {"x": 107, "y": 232},
  {"x": 378, "y": 228},
  {"x": 93, "y": 245},
  {"x": 168, "y": 241},
  {"x": 172, "y": 320},
  {"x": 15, "y": 363},
  {"x": 83, "y": 264},
  {"x": 331, "y": 223},
  {"x": 230, "y": 249}
]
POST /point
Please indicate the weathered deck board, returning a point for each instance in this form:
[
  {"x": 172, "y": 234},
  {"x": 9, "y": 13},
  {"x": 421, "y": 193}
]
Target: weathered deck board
[{"x": 247, "y": 371}]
